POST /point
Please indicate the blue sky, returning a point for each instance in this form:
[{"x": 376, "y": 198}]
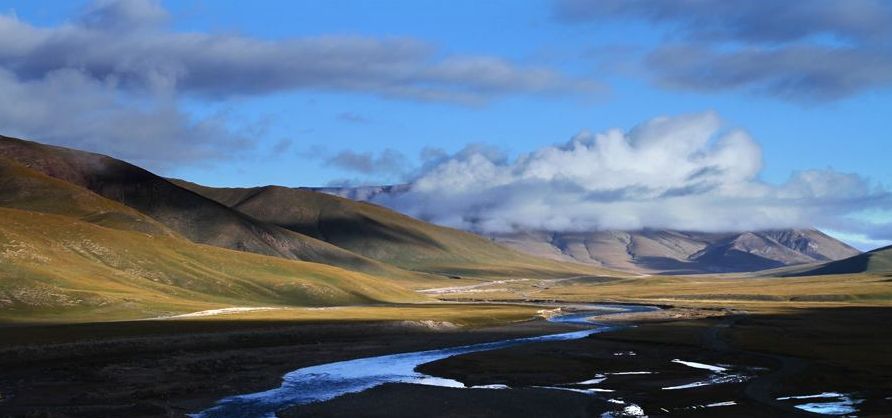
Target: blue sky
[{"x": 604, "y": 68}]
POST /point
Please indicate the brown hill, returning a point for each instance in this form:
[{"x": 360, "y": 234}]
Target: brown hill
[
  {"x": 67, "y": 253},
  {"x": 878, "y": 261},
  {"x": 385, "y": 235},
  {"x": 191, "y": 215}
]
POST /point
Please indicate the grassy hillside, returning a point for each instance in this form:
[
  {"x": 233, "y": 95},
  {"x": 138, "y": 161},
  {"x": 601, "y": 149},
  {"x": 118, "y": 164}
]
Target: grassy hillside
[
  {"x": 878, "y": 261},
  {"x": 22, "y": 188},
  {"x": 67, "y": 253},
  {"x": 61, "y": 268},
  {"x": 193, "y": 216},
  {"x": 385, "y": 235}
]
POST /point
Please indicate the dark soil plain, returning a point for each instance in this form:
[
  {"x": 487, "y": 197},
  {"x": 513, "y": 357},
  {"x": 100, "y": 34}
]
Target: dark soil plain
[
  {"x": 170, "y": 368},
  {"x": 806, "y": 351}
]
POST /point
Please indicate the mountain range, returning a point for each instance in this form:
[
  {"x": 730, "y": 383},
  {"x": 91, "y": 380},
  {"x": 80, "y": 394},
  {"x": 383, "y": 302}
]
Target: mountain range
[
  {"x": 661, "y": 251},
  {"x": 84, "y": 236},
  {"x": 383, "y": 235}
]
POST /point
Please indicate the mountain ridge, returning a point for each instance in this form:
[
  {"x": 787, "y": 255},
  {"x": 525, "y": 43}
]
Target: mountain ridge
[
  {"x": 383, "y": 234},
  {"x": 191, "y": 215},
  {"x": 663, "y": 251},
  {"x": 878, "y": 261},
  {"x": 67, "y": 253}
]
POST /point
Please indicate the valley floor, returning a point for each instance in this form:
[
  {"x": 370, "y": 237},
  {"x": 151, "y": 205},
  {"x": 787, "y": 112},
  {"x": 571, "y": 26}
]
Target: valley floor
[{"x": 167, "y": 368}]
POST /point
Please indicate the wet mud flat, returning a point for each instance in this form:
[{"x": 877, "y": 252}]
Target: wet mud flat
[
  {"x": 835, "y": 361},
  {"x": 153, "y": 370},
  {"x": 169, "y": 369},
  {"x": 581, "y": 378}
]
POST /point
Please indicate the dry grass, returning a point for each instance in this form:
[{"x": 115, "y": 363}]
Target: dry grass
[
  {"x": 421, "y": 314},
  {"x": 840, "y": 290},
  {"x": 56, "y": 268}
]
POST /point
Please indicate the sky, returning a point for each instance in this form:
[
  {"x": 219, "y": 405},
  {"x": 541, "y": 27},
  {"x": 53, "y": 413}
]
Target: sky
[{"x": 500, "y": 115}]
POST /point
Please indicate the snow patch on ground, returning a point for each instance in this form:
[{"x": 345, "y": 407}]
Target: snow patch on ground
[
  {"x": 818, "y": 395},
  {"x": 628, "y": 373},
  {"x": 700, "y": 365},
  {"x": 474, "y": 288},
  {"x": 225, "y": 311},
  {"x": 497, "y": 387},
  {"x": 837, "y": 403},
  {"x": 594, "y": 381},
  {"x": 432, "y": 325},
  {"x": 716, "y": 379},
  {"x": 719, "y": 375},
  {"x": 630, "y": 410}
]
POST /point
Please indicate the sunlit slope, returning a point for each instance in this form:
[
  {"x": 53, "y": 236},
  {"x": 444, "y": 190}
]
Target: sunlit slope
[
  {"x": 192, "y": 216},
  {"x": 385, "y": 235},
  {"x": 67, "y": 253},
  {"x": 878, "y": 261},
  {"x": 26, "y": 189},
  {"x": 58, "y": 267}
]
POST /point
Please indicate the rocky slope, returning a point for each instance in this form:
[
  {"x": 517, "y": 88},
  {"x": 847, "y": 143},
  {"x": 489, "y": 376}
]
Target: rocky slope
[{"x": 679, "y": 252}]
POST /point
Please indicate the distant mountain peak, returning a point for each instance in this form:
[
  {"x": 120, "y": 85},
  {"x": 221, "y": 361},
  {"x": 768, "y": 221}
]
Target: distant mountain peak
[
  {"x": 667, "y": 251},
  {"x": 660, "y": 251}
]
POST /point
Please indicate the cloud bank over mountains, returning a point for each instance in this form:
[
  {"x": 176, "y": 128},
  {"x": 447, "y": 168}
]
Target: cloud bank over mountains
[
  {"x": 118, "y": 78},
  {"x": 684, "y": 172}
]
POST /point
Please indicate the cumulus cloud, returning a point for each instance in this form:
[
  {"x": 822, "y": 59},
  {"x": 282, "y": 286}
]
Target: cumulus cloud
[
  {"x": 812, "y": 51},
  {"x": 685, "y": 172},
  {"x": 115, "y": 78}
]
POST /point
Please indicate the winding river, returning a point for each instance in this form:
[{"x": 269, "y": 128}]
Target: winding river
[{"x": 331, "y": 380}]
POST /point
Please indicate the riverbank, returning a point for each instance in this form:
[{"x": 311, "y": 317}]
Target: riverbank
[{"x": 169, "y": 368}]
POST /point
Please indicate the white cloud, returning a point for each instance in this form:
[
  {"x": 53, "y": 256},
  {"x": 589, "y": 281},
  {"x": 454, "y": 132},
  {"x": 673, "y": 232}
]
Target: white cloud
[
  {"x": 820, "y": 50},
  {"x": 684, "y": 172},
  {"x": 114, "y": 79},
  {"x": 130, "y": 42}
]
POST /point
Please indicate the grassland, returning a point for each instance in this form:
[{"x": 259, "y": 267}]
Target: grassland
[
  {"x": 835, "y": 290},
  {"x": 85, "y": 237},
  {"x": 57, "y": 268}
]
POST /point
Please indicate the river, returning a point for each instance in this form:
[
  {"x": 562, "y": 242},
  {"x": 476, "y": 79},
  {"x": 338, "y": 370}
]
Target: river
[{"x": 328, "y": 381}]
